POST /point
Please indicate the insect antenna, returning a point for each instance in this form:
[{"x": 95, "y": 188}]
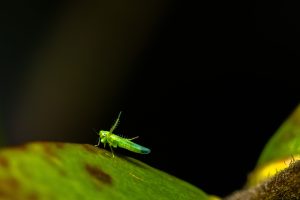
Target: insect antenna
[
  {"x": 95, "y": 131},
  {"x": 116, "y": 123}
]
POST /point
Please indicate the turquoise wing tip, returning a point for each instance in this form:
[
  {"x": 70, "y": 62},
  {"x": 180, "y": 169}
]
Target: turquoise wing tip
[{"x": 145, "y": 150}]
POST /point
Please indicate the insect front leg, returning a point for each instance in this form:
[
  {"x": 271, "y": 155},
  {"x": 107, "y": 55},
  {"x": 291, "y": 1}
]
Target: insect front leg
[
  {"x": 99, "y": 141},
  {"x": 112, "y": 151}
]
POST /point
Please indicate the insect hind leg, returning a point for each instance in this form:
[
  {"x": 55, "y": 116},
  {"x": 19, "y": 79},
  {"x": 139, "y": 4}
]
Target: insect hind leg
[{"x": 134, "y": 138}]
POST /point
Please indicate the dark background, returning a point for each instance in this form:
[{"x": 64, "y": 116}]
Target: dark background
[{"x": 208, "y": 87}]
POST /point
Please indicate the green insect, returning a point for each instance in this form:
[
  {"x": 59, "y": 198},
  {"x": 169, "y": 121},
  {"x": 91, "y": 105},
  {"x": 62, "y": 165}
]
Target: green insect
[{"x": 118, "y": 141}]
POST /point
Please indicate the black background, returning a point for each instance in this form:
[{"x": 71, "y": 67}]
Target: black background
[{"x": 208, "y": 91}]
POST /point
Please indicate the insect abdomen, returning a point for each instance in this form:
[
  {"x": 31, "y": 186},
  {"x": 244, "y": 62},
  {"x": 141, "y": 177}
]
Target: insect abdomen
[{"x": 131, "y": 146}]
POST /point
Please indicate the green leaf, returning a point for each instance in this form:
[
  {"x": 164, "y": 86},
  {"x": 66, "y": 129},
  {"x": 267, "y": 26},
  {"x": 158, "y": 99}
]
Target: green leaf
[
  {"x": 282, "y": 149},
  {"x": 277, "y": 173},
  {"x": 45, "y": 170},
  {"x": 285, "y": 142}
]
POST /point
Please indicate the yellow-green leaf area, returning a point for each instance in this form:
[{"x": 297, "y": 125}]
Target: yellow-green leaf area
[
  {"x": 285, "y": 142},
  {"x": 281, "y": 150},
  {"x": 59, "y": 171}
]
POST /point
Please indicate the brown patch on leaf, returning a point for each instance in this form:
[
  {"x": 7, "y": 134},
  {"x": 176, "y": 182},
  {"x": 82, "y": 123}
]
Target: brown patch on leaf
[
  {"x": 11, "y": 183},
  {"x": 98, "y": 174},
  {"x": 22, "y": 147},
  {"x": 48, "y": 149},
  {"x": 52, "y": 157},
  {"x": 90, "y": 148},
  {"x": 59, "y": 145},
  {"x": 33, "y": 196},
  {"x": 4, "y": 162},
  {"x": 8, "y": 188}
]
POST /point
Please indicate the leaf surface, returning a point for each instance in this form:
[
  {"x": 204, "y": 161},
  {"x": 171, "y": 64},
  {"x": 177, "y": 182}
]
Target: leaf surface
[{"x": 60, "y": 171}]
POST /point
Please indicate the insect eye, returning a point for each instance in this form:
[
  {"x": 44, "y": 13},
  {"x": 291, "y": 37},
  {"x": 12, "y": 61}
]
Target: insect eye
[{"x": 102, "y": 134}]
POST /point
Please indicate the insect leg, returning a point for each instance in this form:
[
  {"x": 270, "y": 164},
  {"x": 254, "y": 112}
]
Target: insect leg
[
  {"x": 97, "y": 145},
  {"x": 116, "y": 123},
  {"x": 112, "y": 152},
  {"x": 133, "y": 138}
]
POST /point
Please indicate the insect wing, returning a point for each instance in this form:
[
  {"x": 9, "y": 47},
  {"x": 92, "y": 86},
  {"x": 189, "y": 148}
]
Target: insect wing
[{"x": 131, "y": 146}]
